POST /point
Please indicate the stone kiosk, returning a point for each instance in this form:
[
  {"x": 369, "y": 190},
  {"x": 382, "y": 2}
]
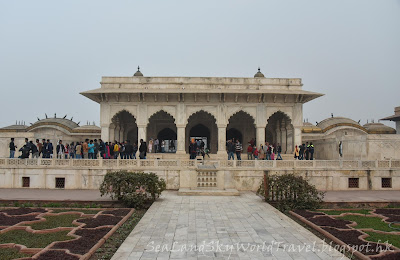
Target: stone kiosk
[{"x": 211, "y": 108}]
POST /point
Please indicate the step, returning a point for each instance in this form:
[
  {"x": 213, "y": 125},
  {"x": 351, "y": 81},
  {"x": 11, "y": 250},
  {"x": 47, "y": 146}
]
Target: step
[{"x": 207, "y": 192}]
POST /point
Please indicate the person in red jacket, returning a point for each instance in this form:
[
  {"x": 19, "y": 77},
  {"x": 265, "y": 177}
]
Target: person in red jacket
[{"x": 250, "y": 152}]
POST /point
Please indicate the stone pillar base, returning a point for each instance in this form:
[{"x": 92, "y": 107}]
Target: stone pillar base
[
  {"x": 222, "y": 155},
  {"x": 181, "y": 152}
]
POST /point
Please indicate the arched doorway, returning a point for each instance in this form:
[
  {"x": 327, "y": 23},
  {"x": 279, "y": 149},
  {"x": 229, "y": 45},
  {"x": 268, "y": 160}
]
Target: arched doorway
[
  {"x": 233, "y": 133},
  {"x": 123, "y": 127},
  {"x": 241, "y": 126},
  {"x": 280, "y": 130},
  {"x": 202, "y": 125},
  {"x": 162, "y": 127}
]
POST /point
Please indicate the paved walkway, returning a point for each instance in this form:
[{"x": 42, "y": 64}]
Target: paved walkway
[{"x": 231, "y": 227}]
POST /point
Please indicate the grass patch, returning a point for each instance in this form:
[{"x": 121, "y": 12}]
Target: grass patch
[
  {"x": 55, "y": 221},
  {"x": 11, "y": 253},
  {"x": 86, "y": 211},
  {"x": 31, "y": 240},
  {"x": 338, "y": 212},
  {"x": 368, "y": 222},
  {"x": 113, "y": 243},
  {"x": 381, "y": 238}
]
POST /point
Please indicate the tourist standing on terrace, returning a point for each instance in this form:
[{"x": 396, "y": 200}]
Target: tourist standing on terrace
[
  {"x": 193, "y": 149},
  {"x": 91, "y": 150},
  {"x": 142, "y": 149},
  {"x": 72, "y": 150},
  {"x": 39, "y": 147},
  {"x": 116, "y": 150},
  {"x": 301, "y": 152},
  {"x": 60, "y": 150},
  {"x": 261, "y": 153},
  {"x": 44, "y": 148},
  {"x": 135, "y": 149},
  {"x": 279, "y": 151},
  {"x": 34, "y": 150},
  {"x": 296, "y": 153},
  {"x": 96, "y": 148},
  {"x": 307, "y": 151},
  {"x": 85, "y": 149},
  {"x": 311, "y": 149},
  {"x": 250, "y": 152},
  {"x": 50, "y": 149},
  {"x": 230, "y": 148},
  {"x": 12, "y": 148},
  {"x": 78, "y": 150},
  {"x": 238, "y": 149},
  {"x": 128, "y": 150}
]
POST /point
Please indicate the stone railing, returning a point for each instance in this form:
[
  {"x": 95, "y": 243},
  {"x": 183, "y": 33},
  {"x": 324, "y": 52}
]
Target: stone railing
[{"x": 182, "y": 163}]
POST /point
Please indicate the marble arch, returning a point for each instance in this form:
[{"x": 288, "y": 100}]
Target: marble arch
[{"x": 243, "y": 123}]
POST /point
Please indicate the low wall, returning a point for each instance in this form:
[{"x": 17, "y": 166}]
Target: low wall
[{"x": 240, "y": 175}]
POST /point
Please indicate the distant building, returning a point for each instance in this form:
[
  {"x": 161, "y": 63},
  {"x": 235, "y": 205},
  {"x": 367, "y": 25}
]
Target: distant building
[{"x": 395, "y": 118}]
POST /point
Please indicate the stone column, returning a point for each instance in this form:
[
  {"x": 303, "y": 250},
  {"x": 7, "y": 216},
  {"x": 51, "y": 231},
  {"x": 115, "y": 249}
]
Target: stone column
[
  {"x": 142, "y": 133},
  {"x": 180, "y": 139},
  {"x": 105, "y": 133},
  {"x": 260, "y": 136},
  {"x": 111, "y": 134},
  {"x": 117, "y": 133},
  {"x": 297, "y": 136},
  {"x": 289, "y": 140},
  {"x": 221, "y": 141},
  {"x": 278, "y": 133},
  {"x": 284, "y": 137}
]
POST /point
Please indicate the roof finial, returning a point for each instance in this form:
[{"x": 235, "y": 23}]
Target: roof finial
[
  {"x": 259, "y": 70},
  {"x": 138, "y": 73}
]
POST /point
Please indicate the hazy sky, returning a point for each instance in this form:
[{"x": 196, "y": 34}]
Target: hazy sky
[{"x": 50, "y": 51}]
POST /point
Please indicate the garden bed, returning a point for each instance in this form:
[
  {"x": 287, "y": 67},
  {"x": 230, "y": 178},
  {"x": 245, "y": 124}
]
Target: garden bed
[
  {"x": 362, "y": 232},
  {"x": 46, "y": 233}
]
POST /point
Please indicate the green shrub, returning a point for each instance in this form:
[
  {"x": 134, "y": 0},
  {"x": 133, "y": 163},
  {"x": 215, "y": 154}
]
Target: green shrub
[
  {"x": 291, "y": 192},
  {"x": 135, "y": 189}
]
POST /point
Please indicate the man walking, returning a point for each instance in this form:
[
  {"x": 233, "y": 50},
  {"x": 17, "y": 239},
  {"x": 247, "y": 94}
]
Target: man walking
[
  {"x": 142, "y": 149},
  {"x": 12, "y": 148},
  {"x": 279, "y": 151},
  {"x": 39, "y": 146}
]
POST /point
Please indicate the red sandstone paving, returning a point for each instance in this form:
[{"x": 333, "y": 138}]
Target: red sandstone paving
[
  {"x": 388, "y": 211},
  {"x": 56, "y": 254},
  {"x": 22, "y": 211},
  {"x": 350, "y": 237},
  {"x": 12, "y": 220},
  {"x": 330, "y": 222},
  {"x": 89, "y": 238},
  {"x": 307, "y": 214},
  {"x": 100, "y": 220},
  {"x": 117, "y": 212}
]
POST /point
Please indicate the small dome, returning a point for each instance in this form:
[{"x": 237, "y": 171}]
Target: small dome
[
  {"x": 332, "y": 122},
  {"x": 379, "y": 128},
  {"x": 55, "y": 121},
  {"x": 88, "y": 129},
  {"x": 259, "y": 74},
  {"x": 138, "y": 73}
]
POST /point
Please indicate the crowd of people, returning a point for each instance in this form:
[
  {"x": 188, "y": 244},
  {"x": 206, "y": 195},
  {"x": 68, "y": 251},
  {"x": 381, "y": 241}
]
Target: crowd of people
[
  {"x": 93, "y": 149},
  {"x": 89, "y": 149},
  {"x": 266, "y": 151}
]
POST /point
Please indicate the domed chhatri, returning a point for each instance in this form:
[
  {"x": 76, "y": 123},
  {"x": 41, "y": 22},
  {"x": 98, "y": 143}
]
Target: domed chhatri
[
  {"x": 379, "y": 128},
  {"x": 138, "y": 73},
  {"x": 259, "y": 74}
]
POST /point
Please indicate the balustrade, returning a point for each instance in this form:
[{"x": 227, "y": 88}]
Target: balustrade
[{"x": 184, "y": 163}]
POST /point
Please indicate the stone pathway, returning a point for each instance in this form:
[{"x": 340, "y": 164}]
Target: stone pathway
[{"x": 215, "y": 227}]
